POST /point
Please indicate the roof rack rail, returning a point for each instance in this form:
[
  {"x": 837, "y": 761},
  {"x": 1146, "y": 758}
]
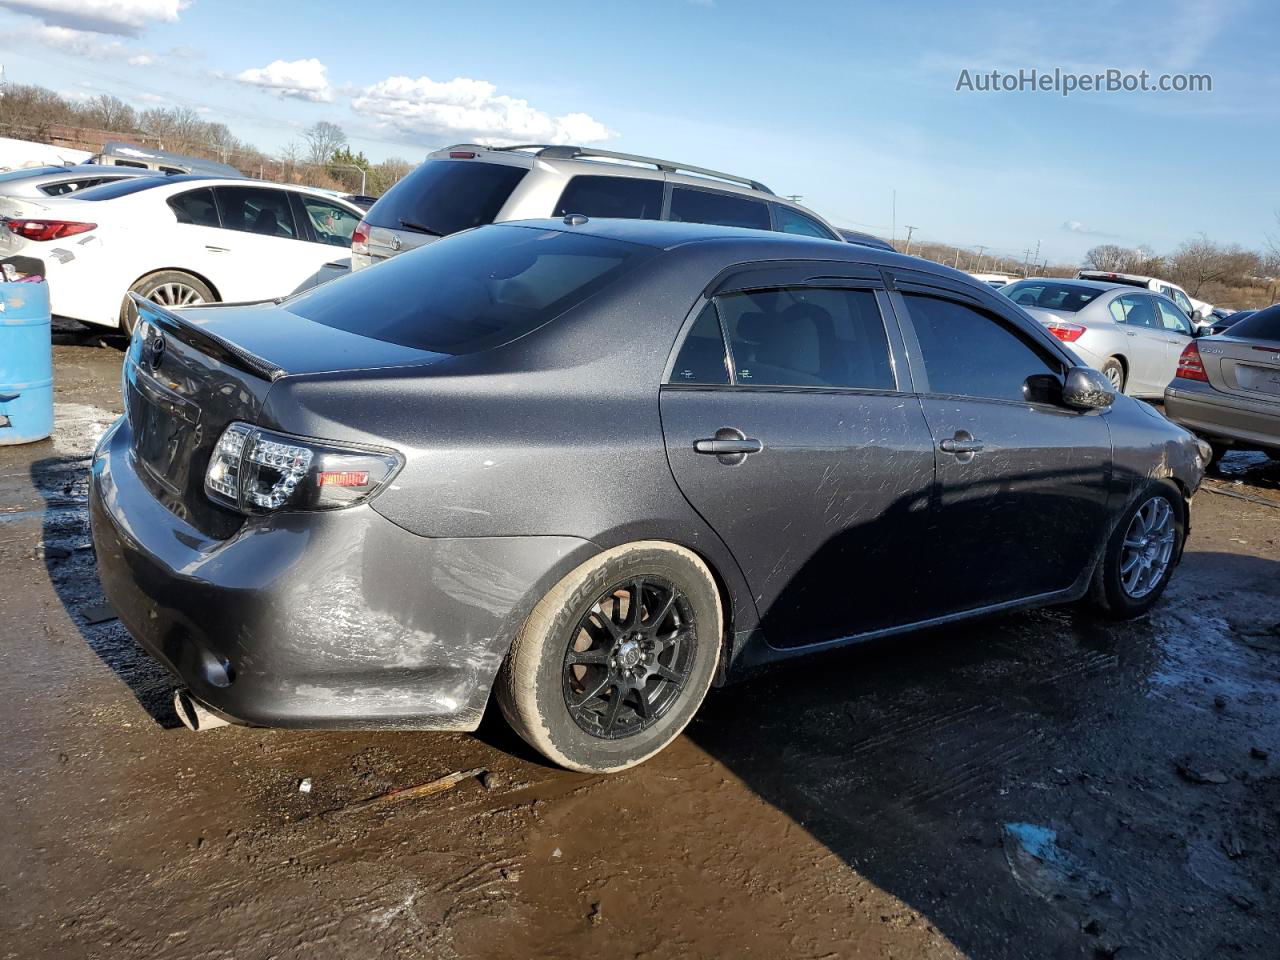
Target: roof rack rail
[{"x": 551, "y": 151}]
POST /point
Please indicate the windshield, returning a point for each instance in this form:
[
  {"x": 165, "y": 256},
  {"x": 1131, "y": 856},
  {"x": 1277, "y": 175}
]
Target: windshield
[
  {"x": 122, "y": 188},
  {"x": 1046, "y": 295},
  {"x": 23, "y": 173},
  {"x": 1263, "y": 325},
  {"x": 445, "y": 196},
  {"x": 473, "y": 291}
]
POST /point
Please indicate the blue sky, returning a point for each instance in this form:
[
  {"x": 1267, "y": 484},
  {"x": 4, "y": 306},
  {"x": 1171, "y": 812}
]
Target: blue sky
[{"x": 840, "y": 102}]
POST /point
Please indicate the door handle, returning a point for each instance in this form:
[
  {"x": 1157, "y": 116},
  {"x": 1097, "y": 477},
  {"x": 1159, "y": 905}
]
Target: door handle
[
  {"x": 217, "y": 249},
  {"x": 1130, "y": 333},
  {"x": 722, "y": 447},
  {"x": 730, "y": 446},
  {"x": 962, "y": 445}
]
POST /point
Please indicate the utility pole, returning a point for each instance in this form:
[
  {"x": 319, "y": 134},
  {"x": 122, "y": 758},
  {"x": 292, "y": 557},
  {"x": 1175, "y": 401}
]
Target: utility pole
[
  {"x": 956, "y": 265},
  {"x": 893, "y": 235},
  {"x": 980, "y": 249},
  {"x": 910, "y": 230}
]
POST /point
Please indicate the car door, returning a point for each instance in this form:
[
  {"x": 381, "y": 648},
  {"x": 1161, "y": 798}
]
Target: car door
[
  {"x": 1022, "y": 481},
  {"x": 805, "y": 450},
  {"x": 1145, "y": 339},
  {"x": 1177, "y": 329},
  {"x": 260, "y": 253}
]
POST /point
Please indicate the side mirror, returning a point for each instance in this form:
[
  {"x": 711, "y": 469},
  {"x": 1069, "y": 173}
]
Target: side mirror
[{"x": 1087, "y": 389}]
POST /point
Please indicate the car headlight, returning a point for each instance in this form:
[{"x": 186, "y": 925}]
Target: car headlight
[{"x": 259, "y": 471}]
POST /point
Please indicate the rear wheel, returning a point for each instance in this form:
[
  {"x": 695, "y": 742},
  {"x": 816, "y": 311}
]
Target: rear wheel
[
  {"x": 1141, "y": 554},
  {"x": 169, "y": 288},
  {"x": 1113, "y": 370},
  {"x": 615, "y": 660}
]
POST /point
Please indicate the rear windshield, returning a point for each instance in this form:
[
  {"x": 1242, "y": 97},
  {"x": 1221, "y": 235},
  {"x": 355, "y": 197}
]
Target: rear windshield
[
  {"x": 1059, "y": 297},
  {"x": 122, "y": 188},
  {"x": 23, "y": 173},
  {"x": 445, "y": 196},
  {"x": 1263, "y": 325},
  {"x": 471, "y": 292}
]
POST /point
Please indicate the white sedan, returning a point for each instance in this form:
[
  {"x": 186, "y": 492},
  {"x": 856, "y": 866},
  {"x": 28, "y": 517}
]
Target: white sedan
[{"x": 178, "y": 240}]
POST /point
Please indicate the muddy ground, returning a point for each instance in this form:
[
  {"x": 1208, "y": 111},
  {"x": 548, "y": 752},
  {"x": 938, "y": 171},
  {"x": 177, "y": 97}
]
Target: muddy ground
[{"x": 1040, "y": 785}]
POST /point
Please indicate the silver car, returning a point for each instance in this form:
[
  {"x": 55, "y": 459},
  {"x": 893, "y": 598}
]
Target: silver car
[
  {"x": 1133, "y": 336},
  {"x": 1227, "y": 387}
]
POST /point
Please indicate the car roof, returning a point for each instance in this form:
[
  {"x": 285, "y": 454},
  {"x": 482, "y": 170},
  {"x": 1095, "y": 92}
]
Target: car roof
[
  {"x": 1084, "y": 284},
  {"x": 180, "y": 179}
]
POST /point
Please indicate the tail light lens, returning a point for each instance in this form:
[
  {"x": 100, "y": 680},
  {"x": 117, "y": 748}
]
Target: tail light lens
[
  {"x": 1066, "y": 332},
  {"x": 1190, "y": 366},
  {"x": 42, "y": 230},
  {"x": 259, "y": 471},
  {"x": 360, "y": 238}
]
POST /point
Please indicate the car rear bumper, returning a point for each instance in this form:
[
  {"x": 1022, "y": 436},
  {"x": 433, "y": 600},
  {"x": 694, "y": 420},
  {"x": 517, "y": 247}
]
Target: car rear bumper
[
  {"x": 1211, "y": 413},
  {"x": 338, "y": 619}
]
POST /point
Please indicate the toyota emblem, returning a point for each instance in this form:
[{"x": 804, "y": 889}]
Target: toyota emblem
[{"x": 395, "y": 242}]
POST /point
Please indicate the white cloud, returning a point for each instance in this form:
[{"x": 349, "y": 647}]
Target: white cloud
[
  {"x": 300, "y": 79},
  {"x": 1075, "y": 226},
  {"x": 469, "y": 109},
  {"x": 125, "y": 18},
  {"x": 90, "y": 46}
]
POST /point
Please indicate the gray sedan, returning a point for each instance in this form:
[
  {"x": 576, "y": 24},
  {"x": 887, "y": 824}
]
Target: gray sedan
[
  {"x": 1228, "y": 386},
  {"x": 1135, "y": 337},
  {"x": 592, "y": 468}
]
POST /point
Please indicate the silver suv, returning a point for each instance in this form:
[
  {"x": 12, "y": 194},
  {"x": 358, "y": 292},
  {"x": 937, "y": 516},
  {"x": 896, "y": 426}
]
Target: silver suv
[{"x": 469, "y": 185}]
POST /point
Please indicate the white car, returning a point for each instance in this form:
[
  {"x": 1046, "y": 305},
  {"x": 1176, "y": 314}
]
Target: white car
[
  {"x": 1199, "y": 311},
  {"x": 177, "y": 240},
  {"x": 36, "y": 183}
]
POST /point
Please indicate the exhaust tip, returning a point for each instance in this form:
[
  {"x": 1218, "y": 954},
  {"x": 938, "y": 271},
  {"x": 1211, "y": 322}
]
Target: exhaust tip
[{"x": 195, "y": 717}]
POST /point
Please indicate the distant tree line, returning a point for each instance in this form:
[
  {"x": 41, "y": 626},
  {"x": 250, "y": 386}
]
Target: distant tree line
[
  {"x": 322, "y": 158},
  {"x": 1223, "y": 274}
]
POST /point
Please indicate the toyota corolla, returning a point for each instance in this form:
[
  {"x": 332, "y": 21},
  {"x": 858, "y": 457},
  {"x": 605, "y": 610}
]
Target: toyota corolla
[{"x": 591, "y": 469}]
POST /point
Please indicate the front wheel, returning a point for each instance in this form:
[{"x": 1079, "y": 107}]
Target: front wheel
[
  {"x": 615, "y": 660},
  {"x": 169, "y": 288},
  {"x": 1141, "y": 554}
]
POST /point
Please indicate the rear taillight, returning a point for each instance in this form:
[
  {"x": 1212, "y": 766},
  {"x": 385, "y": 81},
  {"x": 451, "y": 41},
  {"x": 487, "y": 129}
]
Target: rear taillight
[
  {"x": 1190, "y": 366},
  {"x": 41, "y": 230},
  {"x": 1066, "y": 332},
  {"x": 360, "y": 238},
  {"x": 260, "y": 471}
]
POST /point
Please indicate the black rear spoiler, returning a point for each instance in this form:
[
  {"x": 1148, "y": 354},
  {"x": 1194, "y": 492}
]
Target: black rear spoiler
[{"x": 205, "y": 341}]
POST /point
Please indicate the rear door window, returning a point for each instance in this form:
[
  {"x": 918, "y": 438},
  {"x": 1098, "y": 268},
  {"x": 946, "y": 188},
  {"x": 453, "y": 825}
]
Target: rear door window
[
  {"x": 472, "y": 291},
  {"x": 727, "y": 210},
  {"x": 630, "y": 197},
  {"x": 1136, "y": 311},
  {"x": 445, "y": 196},
  {"x": 807, "y": 337},
  {"x": 968, "y": 352},
  {"x": 793, "y": 221},
  {"x": 259, "y": 210},
  {"x": 702, "y": 358},
  {"x": 195, "y": 207}
]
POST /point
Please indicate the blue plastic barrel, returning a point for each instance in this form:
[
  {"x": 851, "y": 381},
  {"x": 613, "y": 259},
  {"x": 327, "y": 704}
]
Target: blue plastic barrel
[{"x": 26, "y": 363}]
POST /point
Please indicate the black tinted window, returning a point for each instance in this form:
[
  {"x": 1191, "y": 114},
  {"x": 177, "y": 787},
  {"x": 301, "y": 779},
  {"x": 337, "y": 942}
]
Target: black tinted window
[
  {"x": 793, "y": 221},
  {"x": 196, "y": 207},
  {"x": 702, "y": 357},
  {"x": 472, "y": 291},
  {"x": 62, "y": 187},
  {"x": 972, "y": 354},
  {"x": 1047, "y": 295},
  {"x": 807, "y": 337},
  {"x": 629, "y": 197},
  {"x": 1263, "y": 325},
  {"x": 703, "y": 206},
  {"x": 446, "y": 196},
  {"x": 258, "y": 210}
]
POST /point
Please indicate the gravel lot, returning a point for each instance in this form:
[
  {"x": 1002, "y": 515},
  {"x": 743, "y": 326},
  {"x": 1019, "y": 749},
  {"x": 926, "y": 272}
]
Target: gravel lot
[{"x": 1039, "y": 785}]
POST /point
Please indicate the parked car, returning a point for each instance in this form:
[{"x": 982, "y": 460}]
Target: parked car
[
  {"x": 1227, "y": 388},
  {"x": 52, "y": 181},
  {"x": 177, "y": 240},
  {"x": 600, "y": 467},
  {"x": 865, "y": 239},
  {"x": 996, "y": 280},
  {"x": 133, "y": 157},
  {"x": 1134, "y": 338},
  {"x": 466, "y": 185},
  {"x": 1224, "y": 323},
  {"x": 1197, "y": 310}
]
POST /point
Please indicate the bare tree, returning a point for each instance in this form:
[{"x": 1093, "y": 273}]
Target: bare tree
[
  {"x": 1107, "y": 256},
  {"x": 323, "y": 138},
  {"x": 110, "y": 113}
]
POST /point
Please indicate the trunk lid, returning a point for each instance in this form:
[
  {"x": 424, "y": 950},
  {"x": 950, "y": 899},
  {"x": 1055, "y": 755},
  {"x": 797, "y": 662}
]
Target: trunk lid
[
  {"x": 1243, "y": 368},
  {"x": 188, "y": 375}
]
